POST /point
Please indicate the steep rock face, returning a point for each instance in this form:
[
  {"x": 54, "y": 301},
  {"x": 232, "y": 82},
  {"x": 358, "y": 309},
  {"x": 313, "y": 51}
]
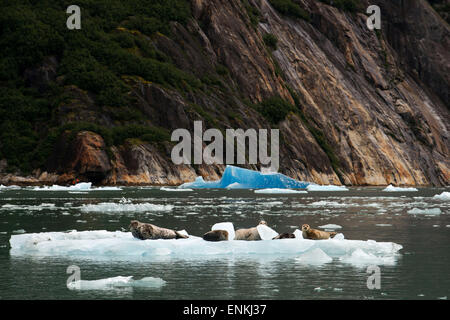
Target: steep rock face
[
  {"x": 378, "y": 102},
  {"x": 372, "y": 108}
]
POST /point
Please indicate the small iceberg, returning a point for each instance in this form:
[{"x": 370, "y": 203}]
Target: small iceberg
[
  {"x": 330, "y": 226},
  {"x": 115, "y": 283},
  {"x": 82, "y": 186},
  {"x": 110, "y": 207},
  {"x": 433, "y": 211},
  {"x": 279, "y": 191},
  {"x": 444, "y": 196},
  {"x": 240, "y": 178},
  {"x": 11, "y": 187},
  {"x": 316, "y": 187},
  {"x": 174, "y": 189},
  {"x": 391, "y": 188}
]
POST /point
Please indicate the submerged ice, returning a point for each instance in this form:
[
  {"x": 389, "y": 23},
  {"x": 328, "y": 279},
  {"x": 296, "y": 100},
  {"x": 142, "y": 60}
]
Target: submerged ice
[{"x": 240, "y": 178}]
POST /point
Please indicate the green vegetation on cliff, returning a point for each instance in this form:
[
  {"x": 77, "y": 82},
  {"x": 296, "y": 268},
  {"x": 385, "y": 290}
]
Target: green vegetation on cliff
[{"x": 113, "y": 41}]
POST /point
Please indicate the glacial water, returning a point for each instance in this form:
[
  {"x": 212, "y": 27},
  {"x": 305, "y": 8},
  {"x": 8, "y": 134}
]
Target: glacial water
[{"x": 414, "y": 220}]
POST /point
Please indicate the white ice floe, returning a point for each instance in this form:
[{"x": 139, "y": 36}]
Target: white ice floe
[
  {"x": 331, "y": 226},
  {"x": 444, "y": 196},
  {"x": 279, "y": 191},
  {"x": 19, "y": 231},
  {"x": 315, "y": 256},
  {"x": 111, "y": 207},
  {"x": 383, "y": 225},
  {"x": 391, "y": 188},
  {"x": 432, "y": 211},
  {"x": 316, "y": 187},
  {"x": 12, "y": 187},
  {"x": 116, "y": 282},
  {"x": 174, "y": 189},
  {"x": 40, "y": 207},
  {"x": 82, "y": 186},
  {"x": 118, "y": 245},
  {"x": 325, "y": 203}
]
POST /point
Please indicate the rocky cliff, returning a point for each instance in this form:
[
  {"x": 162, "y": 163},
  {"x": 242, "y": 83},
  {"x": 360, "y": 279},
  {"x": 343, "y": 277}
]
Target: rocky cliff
[{"x": 368, "y": 107}]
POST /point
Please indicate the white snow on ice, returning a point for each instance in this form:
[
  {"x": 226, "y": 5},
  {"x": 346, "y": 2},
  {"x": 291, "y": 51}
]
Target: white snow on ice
[
  {"x": 82, "y": 186},
  {"x": 444, "y": 196},
  {"x": 174, "y": 189},
  {"x": 391, "y": 188},
  {"x": 316, "y": 187}
]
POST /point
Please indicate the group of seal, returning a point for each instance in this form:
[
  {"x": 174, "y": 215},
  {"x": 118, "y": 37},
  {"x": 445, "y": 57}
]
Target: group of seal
[{"x": 146, "y": 231}]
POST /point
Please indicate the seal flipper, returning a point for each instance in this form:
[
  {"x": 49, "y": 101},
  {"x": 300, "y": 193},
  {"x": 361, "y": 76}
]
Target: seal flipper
[{"x": 180, "y": 236}]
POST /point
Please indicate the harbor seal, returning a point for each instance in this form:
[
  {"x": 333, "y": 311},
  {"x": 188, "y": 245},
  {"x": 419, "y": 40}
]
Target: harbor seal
[
  {"x": 284, "y": 236},
  {"x": 216, "y": 235},
  {"x": 145, "y": 231},
  {"x": 250, "y": 234},
  {"x": 314, "y": 234}
]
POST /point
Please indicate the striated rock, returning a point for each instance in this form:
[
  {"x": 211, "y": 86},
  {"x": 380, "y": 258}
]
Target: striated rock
[{"x": 90, "y": 159}]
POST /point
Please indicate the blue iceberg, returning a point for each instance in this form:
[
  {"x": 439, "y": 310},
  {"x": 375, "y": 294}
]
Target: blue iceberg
[{"x": 240, "y": 178}]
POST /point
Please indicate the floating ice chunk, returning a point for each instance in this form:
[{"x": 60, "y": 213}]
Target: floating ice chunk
[
  {"x": 331, "y": 226},
  {"x": 278, "y": 190},
  {"x": 82, "y": 186},
  {"x": 444, "y": 196},
  {"x": 361, "y": 258},
  {"x": 315, "y": 256},
  {"x": 236, "y": 185},
  {"x": 383, "y": 225},
  {"x": 40, "y": 207},
  {"x": 122, "y": 246},
  {"x": 432, "y": 211},
  {"x": 12, "y": 187},
  {"x": 265, "y": 232},
  {"x": 78, "y": 186},
  {"x": 227, "y": 226},
  {"x": 174, "y": 189},
  {"x": 116, "y": 282},
  {"x": 325, "y": 203},
  {"x": 19, "y": 231},
  {"x": 391, "y": 188},
  {"x": 316, "y": 187},
  {"x": 106, "y": 189},
  {"x": 247, "y": 179},
  {"x": 108, "y": 207}
]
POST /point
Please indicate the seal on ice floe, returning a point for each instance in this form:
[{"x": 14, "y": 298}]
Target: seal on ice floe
[
  {"x": 145, "y": 231},
  {"x": 216, "y": 235},
  {"x": 284, "y": 236},
  {"x": 249, "y": 234},
  {"x": 314, "y": 234}
]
